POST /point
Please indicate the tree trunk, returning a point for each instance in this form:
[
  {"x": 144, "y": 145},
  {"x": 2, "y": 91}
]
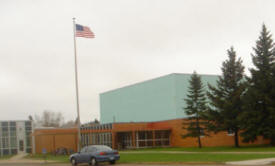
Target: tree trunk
[
  {"x": 199, "y": 131},
  {"x": 272, "y": 141},
  {"x": 199, "y": 141},
  {"x": 236, "y": 136}
]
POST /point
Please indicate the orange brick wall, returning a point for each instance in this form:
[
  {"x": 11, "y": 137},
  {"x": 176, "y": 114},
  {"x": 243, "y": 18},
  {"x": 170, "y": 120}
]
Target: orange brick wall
[
  {"x": 219, "y": 139},
  {"x": 51, "y": 139}
]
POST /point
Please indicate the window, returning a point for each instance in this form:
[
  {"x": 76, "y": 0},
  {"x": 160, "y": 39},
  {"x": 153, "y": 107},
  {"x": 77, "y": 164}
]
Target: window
[
  {"x": 12, "y": 133},
  {"x": 5, "y": 142},
  {"x": 28, "y": 123},
  {"x": 28, "y": 142},
  {"x": 91, "y": 149},
  {"x": 202, "y": 132},
  {"x": 162, "y": 138},
  {"x": 13, "y": 142},
  {"x": 83, "y": 150},
  {"x": 124, "y": 140},
  {"x": 6, "y": 152},
  {"x": 230, "y": 132},
  {"x": 100, "y": 139},
  {"x": 4, "y": 128},
  {"x": 145, "y": 138},
  {"x": 4, "y": 124},
  {"x": 29, "y": 150},
  {"x": 13, "y": 124},
  {"x": 103, "y": 148}
]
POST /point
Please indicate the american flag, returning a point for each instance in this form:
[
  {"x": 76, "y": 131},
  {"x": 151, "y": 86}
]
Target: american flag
[{"x": 83, "y": 31}]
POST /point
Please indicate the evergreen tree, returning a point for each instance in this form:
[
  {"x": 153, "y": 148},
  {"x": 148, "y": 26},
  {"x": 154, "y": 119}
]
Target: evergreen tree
[
  {"x": 225, "y": 98},
  {"x": 196, "y": 106},
  {"x": 259, "y": 115}
]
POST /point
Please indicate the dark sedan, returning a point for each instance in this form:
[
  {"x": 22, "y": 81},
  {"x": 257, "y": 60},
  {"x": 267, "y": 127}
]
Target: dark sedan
[{"x": 95, "y": 153}]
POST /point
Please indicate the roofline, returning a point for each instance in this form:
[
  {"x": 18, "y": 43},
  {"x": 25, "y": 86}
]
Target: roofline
[
  {"x": 54, "y": 128},
  {"x": 149, "y": 121},
  {"x": 136, "y": 83},
  {"x": 155, "y": 79},
  {"x": 198, "y": 74}
]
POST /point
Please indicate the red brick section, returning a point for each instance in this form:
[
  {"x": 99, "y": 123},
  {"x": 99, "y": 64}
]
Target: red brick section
[
  {"x": 219, "y": 139},
  {"x": 52, "y": 139}
]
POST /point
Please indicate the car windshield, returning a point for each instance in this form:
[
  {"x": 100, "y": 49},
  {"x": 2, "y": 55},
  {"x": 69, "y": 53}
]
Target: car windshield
[
  {"x": 103, "y": 148},
  {"x": 91, "y": 149}
]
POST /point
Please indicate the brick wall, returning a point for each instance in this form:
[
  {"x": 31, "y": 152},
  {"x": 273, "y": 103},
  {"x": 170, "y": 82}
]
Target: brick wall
[
  {"x": 219, "y": 139},
  {"x": 51, "y": 139}
]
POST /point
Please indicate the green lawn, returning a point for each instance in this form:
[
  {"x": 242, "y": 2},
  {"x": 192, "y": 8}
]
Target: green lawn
[
  {"x": 212, "y": 149},
  {"x": 169, "y": 158},
  {"x": 5, "y": 157},
  {"x": 57, "y": 158},
  {"x": 161, "y": 157}
]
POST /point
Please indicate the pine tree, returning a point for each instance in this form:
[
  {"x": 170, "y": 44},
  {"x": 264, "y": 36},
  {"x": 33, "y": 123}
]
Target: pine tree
[
  {"x": 225, "y": 98},
  {"x": 196, "y": 105},
  {"x": 259, "y": 115}
]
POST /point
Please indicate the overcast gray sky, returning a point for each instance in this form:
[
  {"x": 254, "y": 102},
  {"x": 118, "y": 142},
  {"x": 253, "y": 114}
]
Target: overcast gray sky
[{"x": 135, "y": 40}]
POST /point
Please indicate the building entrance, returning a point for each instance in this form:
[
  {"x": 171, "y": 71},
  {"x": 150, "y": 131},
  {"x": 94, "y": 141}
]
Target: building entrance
[
  {"x": 124, "y": 140},
  {"x": 21, "y": 145}
]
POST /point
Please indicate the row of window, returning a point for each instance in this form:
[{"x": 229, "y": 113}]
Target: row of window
[
  {"x": 98, "y": 127},
  {"x": 96, "y": 139},
  {"x": 143, "y": 139},
  {"x": 13, "y": 124},
  {"x": 9, "y": 128},
  {"x": 12, "y": 151},
  {"x": 6, "y": 142},
  {"x": 230, "y": 132},
  {"x": 7, "y": 151}
]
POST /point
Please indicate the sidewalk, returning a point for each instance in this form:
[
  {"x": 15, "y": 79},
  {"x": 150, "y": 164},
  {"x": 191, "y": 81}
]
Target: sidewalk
[
  {"x": 19, "y": 158},
  {"x": 253, "y": 162}
]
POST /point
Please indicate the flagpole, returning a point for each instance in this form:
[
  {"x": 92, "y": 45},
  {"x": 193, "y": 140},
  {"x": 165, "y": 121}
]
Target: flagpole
[{"x": 76, "y": 88}]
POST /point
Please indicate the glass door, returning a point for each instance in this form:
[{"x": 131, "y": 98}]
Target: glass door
[{"x": 21, "y": 145}]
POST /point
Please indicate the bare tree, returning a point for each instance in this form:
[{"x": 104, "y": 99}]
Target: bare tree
[
  {"x": 30, "y": 118},
  {"x": 70, "y": 123},
  {"x": 49, "y": 119}
]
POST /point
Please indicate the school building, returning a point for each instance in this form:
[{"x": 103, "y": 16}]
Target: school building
[
  {"x": 146, "y": 114},
  {"x": 15, "y": 137}
]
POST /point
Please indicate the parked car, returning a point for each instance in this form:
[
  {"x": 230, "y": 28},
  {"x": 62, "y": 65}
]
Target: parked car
[{"x": 94, "y": 154}]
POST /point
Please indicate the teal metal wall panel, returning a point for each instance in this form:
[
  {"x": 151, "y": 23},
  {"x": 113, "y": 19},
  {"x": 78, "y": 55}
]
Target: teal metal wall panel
[
  {"x": 153, "y": 100},
  {"x": 147, "y": 101}
]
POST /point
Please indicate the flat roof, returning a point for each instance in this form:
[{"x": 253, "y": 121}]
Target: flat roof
[{"x": 155, "y": 78}]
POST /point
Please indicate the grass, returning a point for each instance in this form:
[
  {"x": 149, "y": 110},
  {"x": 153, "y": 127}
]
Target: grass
[
  {"x": 212, "y": 149},
  {"x": 57, "y": 158},
  {"x": 194, "y": 158},
  {"x": 5, "y": 157},
  {"x": 168, "y": 157}
]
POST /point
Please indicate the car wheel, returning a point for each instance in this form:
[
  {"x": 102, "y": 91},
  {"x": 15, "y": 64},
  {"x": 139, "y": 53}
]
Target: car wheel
[
  {"x": 73, "y": 161},
  {"x": 93, "y": 161},
  {"x": 113, "y": 162}
]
